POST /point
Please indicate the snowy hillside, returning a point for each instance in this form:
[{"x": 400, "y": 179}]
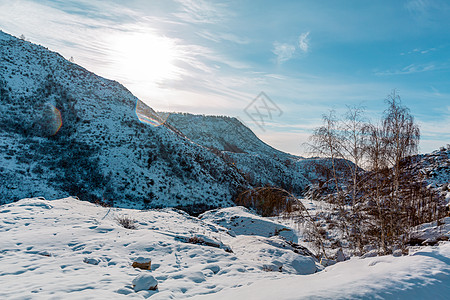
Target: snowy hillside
[
  {"x": 261, "y": 163},
  {"x": 77, "y": 250},
  {"x": 434, "y": 168},
  {"x": 222, "y": 133},
  {"x": 65, "y": 131}
]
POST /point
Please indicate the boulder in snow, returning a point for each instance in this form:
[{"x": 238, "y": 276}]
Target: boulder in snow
[
  {"x": 142, "y": 263},
  {"x": 303, "y": 265},
  {"x": 143, "y": 282},
  {"x": 91, "y": 260}
]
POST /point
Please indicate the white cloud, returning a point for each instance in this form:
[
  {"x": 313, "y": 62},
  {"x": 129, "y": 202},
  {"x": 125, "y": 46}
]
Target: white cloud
[
  {"x": 303, "y": 42},
  {"x": 89, "y": 39},
  {"x": 219, "y": 37},
  {"x": 421, "y": 51},
  {"x": 286, "y": 51},
  {"x": 410, "y": 69},
  {"x": 419, "y": 6},
  {"x": 434, "y": 133},
  {"x": 428, "y": 12},
  {"x": 423, "y": 7},
  {"x": 283, "y": 51},
  {"x": 201, "y": 12}
]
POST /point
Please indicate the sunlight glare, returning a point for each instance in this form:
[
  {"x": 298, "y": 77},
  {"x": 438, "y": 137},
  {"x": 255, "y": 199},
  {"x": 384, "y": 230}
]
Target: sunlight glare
[
  {"x": 145, "y": 57},
  {"x": 145, "y": 61}
]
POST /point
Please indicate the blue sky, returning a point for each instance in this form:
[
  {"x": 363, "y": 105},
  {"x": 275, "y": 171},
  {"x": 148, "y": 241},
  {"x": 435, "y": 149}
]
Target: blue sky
[{"x": 215, "y": 57}]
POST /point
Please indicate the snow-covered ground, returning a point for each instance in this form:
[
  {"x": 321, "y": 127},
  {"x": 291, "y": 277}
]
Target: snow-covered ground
[
  {"x": 422, "y": 275},
  {"x": 70, "y": 249}
]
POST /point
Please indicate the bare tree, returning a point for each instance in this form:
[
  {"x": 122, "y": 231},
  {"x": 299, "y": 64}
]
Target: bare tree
[
  {"x": 326, "y": 142},
  {"x": 402, "y": 137},
  {"x": 338, "y": 140},
  {"x": 402, "y": 134},
  {"x": 353, "y": 145},
  {"x": 376, "y": 179}
]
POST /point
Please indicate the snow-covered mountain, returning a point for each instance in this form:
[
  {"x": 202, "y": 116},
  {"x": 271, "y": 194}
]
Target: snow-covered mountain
[
  {"x": 261, "y": 163},
  {"x": 68, "y": 132},
  {"x": 101, "y": 151}
]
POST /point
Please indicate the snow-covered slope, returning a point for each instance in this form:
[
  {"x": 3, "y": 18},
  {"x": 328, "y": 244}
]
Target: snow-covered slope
[
  {"x": 424, "y": 274},
  {"x": 261, "y": 163},
  {"x": 70, "y": 249},
  {"x": 102, "y": 151},
  {"x": 434, "y": 168},
  {"x": 74, "y": 249},
  {"x": 222, "y": 133}
]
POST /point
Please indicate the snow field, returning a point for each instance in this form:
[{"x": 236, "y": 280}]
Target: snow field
[{"x": 72, "y": 249}]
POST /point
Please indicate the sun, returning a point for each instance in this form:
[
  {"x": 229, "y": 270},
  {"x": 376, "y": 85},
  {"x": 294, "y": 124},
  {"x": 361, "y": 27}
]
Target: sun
[{"x": 144, "y": 59}]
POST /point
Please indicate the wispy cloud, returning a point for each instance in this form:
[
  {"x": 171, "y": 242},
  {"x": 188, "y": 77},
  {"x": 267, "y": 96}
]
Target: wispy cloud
[
  {"x": 291, "y": 142},
  {"x": 287, "y": 51},
  {"x": 434, "y": 133},
  {"x": 223, "y": 36},
  {"x": 425, "y": 7},
  {"x": 428, "y": 12},
  {"x": 410, "y": 69},
  {"x": 419, "y": 51},
  {"x": 199, "y": 71},
  {"x": 283, "y": 51},
  {"x": 201, "y": 12},
  {"x": 303, "y": 42},
  {"x": 418, "y": 6}
]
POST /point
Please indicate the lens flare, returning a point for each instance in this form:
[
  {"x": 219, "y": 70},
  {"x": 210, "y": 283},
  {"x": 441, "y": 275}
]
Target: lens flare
[
  {"x": 50, "y": 121},
  {"x": 147, "y": 115},
  {"x": 57, "y": 120}
]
